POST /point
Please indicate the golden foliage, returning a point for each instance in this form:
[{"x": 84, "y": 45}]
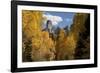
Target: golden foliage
[
  {"x": 31, "y": 23},
  {"x": 66, "y": 47},
  {"x": 41, "y": 45},
  {"x": 45, "y": 46}
]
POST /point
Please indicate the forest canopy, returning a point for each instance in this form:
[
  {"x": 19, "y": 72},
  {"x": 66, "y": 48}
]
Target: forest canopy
[{"x": 49, "y": 44}]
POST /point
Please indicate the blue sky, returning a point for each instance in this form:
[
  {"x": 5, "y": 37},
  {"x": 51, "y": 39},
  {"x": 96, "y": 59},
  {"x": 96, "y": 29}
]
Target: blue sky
[{"x": 60, "y": 19}]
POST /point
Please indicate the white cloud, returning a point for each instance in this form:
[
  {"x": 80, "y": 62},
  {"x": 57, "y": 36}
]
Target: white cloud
[{"x": 55, "y": 19}]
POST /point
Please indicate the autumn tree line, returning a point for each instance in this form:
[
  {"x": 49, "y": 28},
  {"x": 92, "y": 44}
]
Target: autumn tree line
[{"x": 37, "y": 45}]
